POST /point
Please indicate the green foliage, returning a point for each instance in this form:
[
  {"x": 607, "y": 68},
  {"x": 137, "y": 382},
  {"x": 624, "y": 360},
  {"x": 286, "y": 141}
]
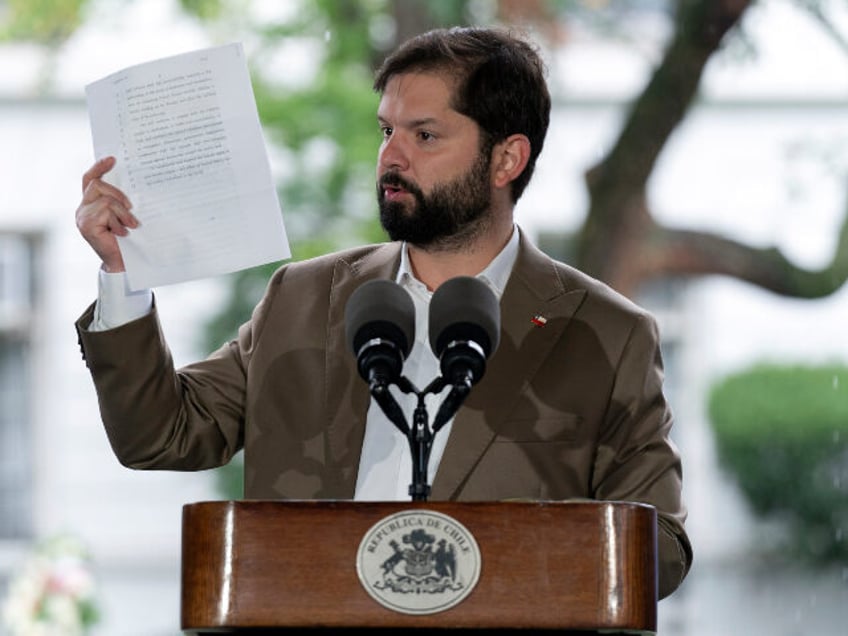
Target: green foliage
[
  {"x": 327, "y": 127},
  {"x": 782, "y": 433},
  {"x": 203, "y": 9},
  {"x": 48, "y": 22}
]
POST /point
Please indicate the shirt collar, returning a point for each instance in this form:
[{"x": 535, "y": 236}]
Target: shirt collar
[{"x": 495, "y": 275}]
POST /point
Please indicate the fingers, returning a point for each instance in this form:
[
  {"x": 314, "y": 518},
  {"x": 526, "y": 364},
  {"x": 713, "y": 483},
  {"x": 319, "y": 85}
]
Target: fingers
[
  {"x": 99, "y": 195},
  {"x": 104, "y": 214},
  {"x": 120, "y": 218},
  {"x": 113, "y": 216},
  {"x": 93, "y": 186},
  {"x": 103, "y": 205},
  {"x": 100, "y": 223},
  {"x": 100, "y": 167}
]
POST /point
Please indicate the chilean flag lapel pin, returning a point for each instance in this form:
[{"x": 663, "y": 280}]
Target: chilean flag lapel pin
[{"x": 539, "y": 320}]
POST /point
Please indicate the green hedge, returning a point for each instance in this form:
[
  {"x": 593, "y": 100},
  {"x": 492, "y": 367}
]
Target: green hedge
[{"x": 782, "y": 433}]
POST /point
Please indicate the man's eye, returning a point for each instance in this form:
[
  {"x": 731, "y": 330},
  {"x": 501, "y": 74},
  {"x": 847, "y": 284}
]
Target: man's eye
[
  {"x": 425, "y": 136},
  {"x": 387, "y": 131}
]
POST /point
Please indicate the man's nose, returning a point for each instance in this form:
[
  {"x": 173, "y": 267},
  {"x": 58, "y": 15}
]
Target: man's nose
[{"x": 394, "y": 154}]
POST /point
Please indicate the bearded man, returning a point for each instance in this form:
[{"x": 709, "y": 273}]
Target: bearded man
[{"x": 571, "y": 405}]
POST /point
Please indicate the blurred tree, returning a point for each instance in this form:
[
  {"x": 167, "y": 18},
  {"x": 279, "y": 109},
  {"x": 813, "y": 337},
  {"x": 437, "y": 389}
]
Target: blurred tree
[
  {"x": 620, "y": 241},
  {"x": 46, "y": 22}
]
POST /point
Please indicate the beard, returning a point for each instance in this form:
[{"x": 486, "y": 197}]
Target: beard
[{"x": 449, "y": 217}]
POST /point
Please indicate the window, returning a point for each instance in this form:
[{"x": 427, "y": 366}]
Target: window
[{"x": 16, "y": 312}]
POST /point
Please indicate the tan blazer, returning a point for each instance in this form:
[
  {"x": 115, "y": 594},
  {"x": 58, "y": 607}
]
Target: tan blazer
[{"x": 571, "y": 409}]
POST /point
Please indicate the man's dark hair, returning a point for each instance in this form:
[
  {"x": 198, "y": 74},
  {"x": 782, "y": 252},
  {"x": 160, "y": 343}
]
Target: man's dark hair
[{"x": 500, "y": 83}]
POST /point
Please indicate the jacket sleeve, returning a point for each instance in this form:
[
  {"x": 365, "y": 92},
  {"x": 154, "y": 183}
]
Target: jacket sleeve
[
  {"x": 636, "y": 459},
  {"x": 157, "y": 417}
]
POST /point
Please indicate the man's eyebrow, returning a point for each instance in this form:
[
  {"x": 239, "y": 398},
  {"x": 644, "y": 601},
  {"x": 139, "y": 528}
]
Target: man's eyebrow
[{"x": 412, "y": 123}]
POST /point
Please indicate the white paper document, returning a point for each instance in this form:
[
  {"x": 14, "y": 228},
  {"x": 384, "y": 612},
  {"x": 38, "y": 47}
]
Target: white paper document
[{"x": 192, "y": 159}]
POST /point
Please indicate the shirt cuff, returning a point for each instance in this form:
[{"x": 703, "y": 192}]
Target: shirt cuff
[{"x": 117, "y": 304}]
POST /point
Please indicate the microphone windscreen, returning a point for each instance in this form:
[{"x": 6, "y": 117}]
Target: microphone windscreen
[
  {"x": 464, "y": 308},
  {"x": 380, "y": 309}
]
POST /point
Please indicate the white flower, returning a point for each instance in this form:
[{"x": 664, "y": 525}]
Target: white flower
[{"x": 53, "y": 594}]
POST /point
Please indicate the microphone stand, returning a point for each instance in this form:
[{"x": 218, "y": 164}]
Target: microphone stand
[{"x": 420, "y": 435}]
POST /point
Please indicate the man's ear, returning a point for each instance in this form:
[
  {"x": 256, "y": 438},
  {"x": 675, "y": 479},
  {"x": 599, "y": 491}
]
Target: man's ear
[{"x": 509, "y": 158}]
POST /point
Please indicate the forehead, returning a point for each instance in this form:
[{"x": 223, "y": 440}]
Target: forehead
[{"x": 417, "y": 95}]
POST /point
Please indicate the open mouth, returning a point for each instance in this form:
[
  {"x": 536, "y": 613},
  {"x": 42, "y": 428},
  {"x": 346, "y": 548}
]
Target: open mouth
[
  {"x": 392, "y": 188},
  {"x": 393, "y": 192}
]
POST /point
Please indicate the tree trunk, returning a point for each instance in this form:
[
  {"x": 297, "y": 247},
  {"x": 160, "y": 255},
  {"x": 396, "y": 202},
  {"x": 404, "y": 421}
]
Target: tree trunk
[{"x": 617, "y": 242}]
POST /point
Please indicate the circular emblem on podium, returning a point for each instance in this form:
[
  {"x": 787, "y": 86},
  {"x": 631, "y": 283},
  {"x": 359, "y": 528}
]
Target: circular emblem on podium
[{"x": 418, "y": 562}]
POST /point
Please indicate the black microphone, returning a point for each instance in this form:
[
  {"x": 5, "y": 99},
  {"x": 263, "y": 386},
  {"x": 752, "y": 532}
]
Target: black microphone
[
  {"x": 465, "y": 328},
  {"x": 380, "y": 329}
]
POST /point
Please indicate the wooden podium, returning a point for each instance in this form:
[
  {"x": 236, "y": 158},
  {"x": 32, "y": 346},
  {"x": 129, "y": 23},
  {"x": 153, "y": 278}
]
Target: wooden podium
[{"x": 262, "y": 567}]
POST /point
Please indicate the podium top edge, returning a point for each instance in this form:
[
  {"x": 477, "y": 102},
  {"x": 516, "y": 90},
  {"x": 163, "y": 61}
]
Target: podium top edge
[{"x": 348, "y": 503}]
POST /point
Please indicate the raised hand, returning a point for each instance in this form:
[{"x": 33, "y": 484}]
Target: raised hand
[{"x": 104, "y": 214}]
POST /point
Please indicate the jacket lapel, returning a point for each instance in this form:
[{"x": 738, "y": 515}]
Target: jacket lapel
[{"x": 534, "y": 289}]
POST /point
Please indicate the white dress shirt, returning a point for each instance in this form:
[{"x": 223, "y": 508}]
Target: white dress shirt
[{"x": 385, "y": 465}]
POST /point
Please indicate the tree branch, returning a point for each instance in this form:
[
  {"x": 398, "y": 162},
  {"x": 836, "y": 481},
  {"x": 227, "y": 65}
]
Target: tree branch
[
  {"x": 814, "y": 8},
  {"x": 701, "y": 25},
  {"x": 617, "y": 185},
  {"x": 701, "y": 253}
]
